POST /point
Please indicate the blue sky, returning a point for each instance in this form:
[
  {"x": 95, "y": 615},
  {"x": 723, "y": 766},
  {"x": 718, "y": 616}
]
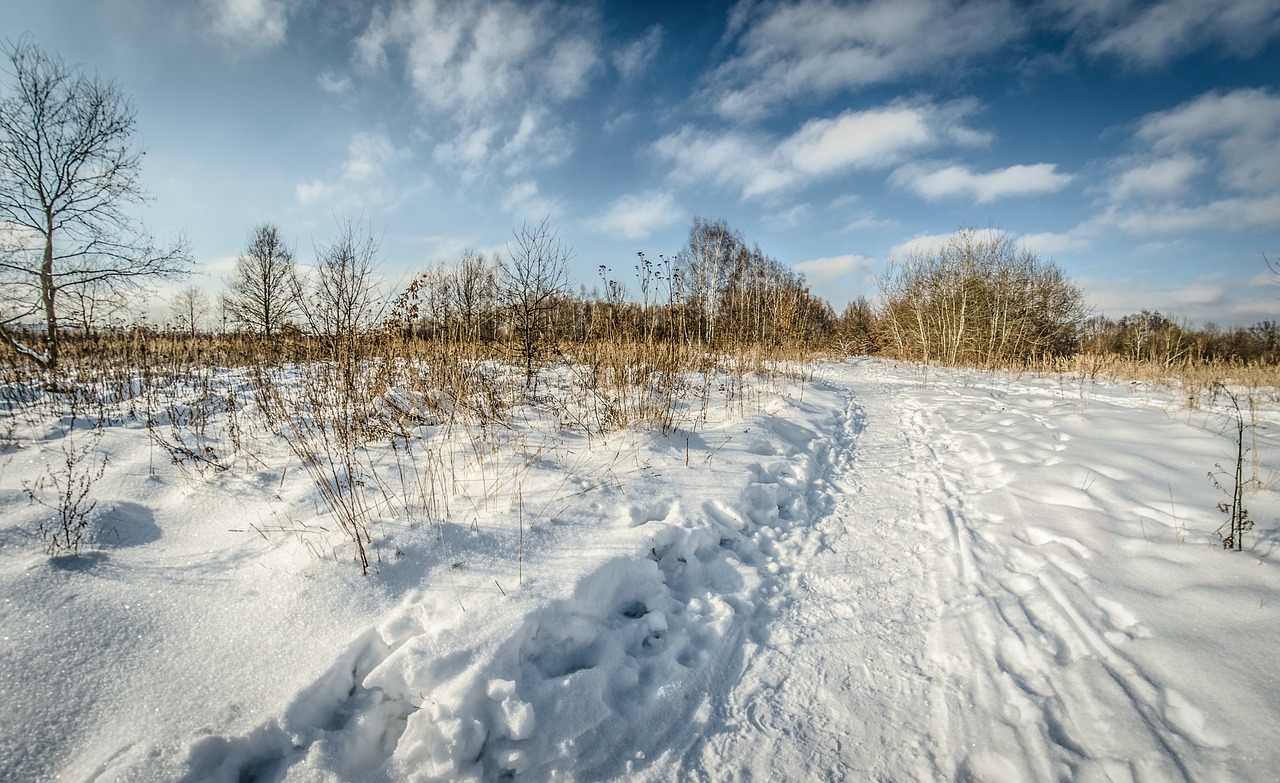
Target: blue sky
[{"x": 1136, "y": 144}]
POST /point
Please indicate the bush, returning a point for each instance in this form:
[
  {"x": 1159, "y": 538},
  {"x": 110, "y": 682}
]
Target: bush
[{"x": 980, "y": 299}]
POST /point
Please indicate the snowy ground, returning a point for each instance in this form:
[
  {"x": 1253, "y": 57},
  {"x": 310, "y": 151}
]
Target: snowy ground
[{"x": 880, "y": 574}]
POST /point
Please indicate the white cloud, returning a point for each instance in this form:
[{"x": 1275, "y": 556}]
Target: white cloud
[
  {"x": 470, "y": 56},
  {"x": 729, "y": 159},
  {"x": 1045, "y": 244},
  {"x": 1234, "y": 136},
  {"x": 249, "y": 24},
  {"x": 314, "y": 192},
  {"x": 1049, "y": 244},
  {"x": 536, "y": 141},
  {"x": 15, "y": 237},
  {"x": 822, "y": 148},
  {"x": 1222, "y": 299},
  {"x": 637, "y": 216},
  {"x": 524, "y": 201},
  {"x": 367, "y": 176},
  {"x": 1163, "y": 178},
  {"x": 369, "y": 155},
  {"x": 469, "y": 148},
  {"x": 489, "y": 74},
  {"x": 929, "y": 243},
  {"x": 632, "y": 59},
  {"x": 873, "y": 138},
  {"x": 1227, "y": 213},
  {"x": 1020, "y": 180},
  {"x": 1131, "y": 296},
  {"x": 834, "y": 266},
  {"x": 574, "y": 61},
  {"x": 816, "y": 48},
  {"x": 870, "y": 222},
  {"x": 619, "y": 121},
  {"x": 1242, "y": 128},
  {"x": 790, "y": 217},
  {"x": 1158, "y": 32},
  {"x": 219, "y": 267},
  {"x": 333, "y": 83}
]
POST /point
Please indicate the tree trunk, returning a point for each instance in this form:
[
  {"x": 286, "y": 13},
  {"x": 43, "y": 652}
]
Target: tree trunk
[{"x": 48, "y": 296}]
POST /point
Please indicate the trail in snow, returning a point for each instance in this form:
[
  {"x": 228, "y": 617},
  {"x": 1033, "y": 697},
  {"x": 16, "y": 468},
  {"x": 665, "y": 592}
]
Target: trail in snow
[
  {"x": 833, "y": 683},
  {"x": 1034, "y": 675}
]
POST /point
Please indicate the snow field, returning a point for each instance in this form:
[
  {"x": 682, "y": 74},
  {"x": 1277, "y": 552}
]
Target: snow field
[
  {"x": 882, "y": 574},
  {"x": 1078, "y": 565}
]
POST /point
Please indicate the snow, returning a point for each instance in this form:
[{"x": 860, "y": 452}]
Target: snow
[{"x": 882, "y": 572}]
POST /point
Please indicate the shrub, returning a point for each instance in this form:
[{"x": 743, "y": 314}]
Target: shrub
[{"x": 980, "y": 299}]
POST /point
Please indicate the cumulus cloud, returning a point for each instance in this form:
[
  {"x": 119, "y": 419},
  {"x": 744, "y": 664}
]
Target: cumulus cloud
[
  {"x": 333, "y": 83},
  {"x": 637, "y": 216},
  {"x": 1222, "y": 299},
  {"x": 1241, "y": 128},
  {"x": 834, "y": 266},
  {"x": 368, "y": 156},
  {"x": 250, "y": 24},
  {"x": 1162, "y": 178},
  {"x": 761, "y": 165},
  {"x": 314, "y": 192},
  {"x": 1045, "y": 244},
  {"x": 489, "y": 73},
  {"x": 524, "y": 200},
  {"x": 632, "y": 59},
  {"x": 472, "y": 56},
  {"x": 1151, "y": 35},
  {"x": 862, "y": 139},
  {"x": 817, "y": 48},
  {"x": 1020, "y": 180},
  {"x": 367, "y": 175},
  {"x": 1234, "y": 135},
  {"x": 1170, "y": 218},
  {"x": 1048, "y": 244}
]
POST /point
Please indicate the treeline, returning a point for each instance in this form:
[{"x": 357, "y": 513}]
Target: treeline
[
  {"x": 982, "y": 300},
  {"x": 979, "y": 300},
  {"x": 718, "y": 293}
]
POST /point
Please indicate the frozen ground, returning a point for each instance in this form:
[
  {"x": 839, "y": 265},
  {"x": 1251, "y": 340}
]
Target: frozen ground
[{"x": 881, "y": 574}]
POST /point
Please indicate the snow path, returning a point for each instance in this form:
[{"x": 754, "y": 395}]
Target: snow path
[{"x": 834, "y": 679}]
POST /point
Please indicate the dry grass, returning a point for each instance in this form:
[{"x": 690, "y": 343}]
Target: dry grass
[{"x": 390, "y": 428}]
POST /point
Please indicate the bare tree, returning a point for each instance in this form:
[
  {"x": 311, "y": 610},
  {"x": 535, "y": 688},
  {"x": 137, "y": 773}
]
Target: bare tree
[
  {"x": 94, "y": 307},
  {"x": 263, "y": 293},
  {"x": 706, "y": 262},
  {"x": 344, "y": 302},
  {"x": 188, "y": 308},
  {"x": 68, "y": 174},
  {"x": 475, "y": 285},
  {"x": 530, "y": 282}
]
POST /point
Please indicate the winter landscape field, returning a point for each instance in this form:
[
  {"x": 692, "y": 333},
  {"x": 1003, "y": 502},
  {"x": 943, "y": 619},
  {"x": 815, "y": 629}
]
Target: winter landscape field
[
  {"x": 547, "y": 390},
  {"x": 848, "y": 570}
]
